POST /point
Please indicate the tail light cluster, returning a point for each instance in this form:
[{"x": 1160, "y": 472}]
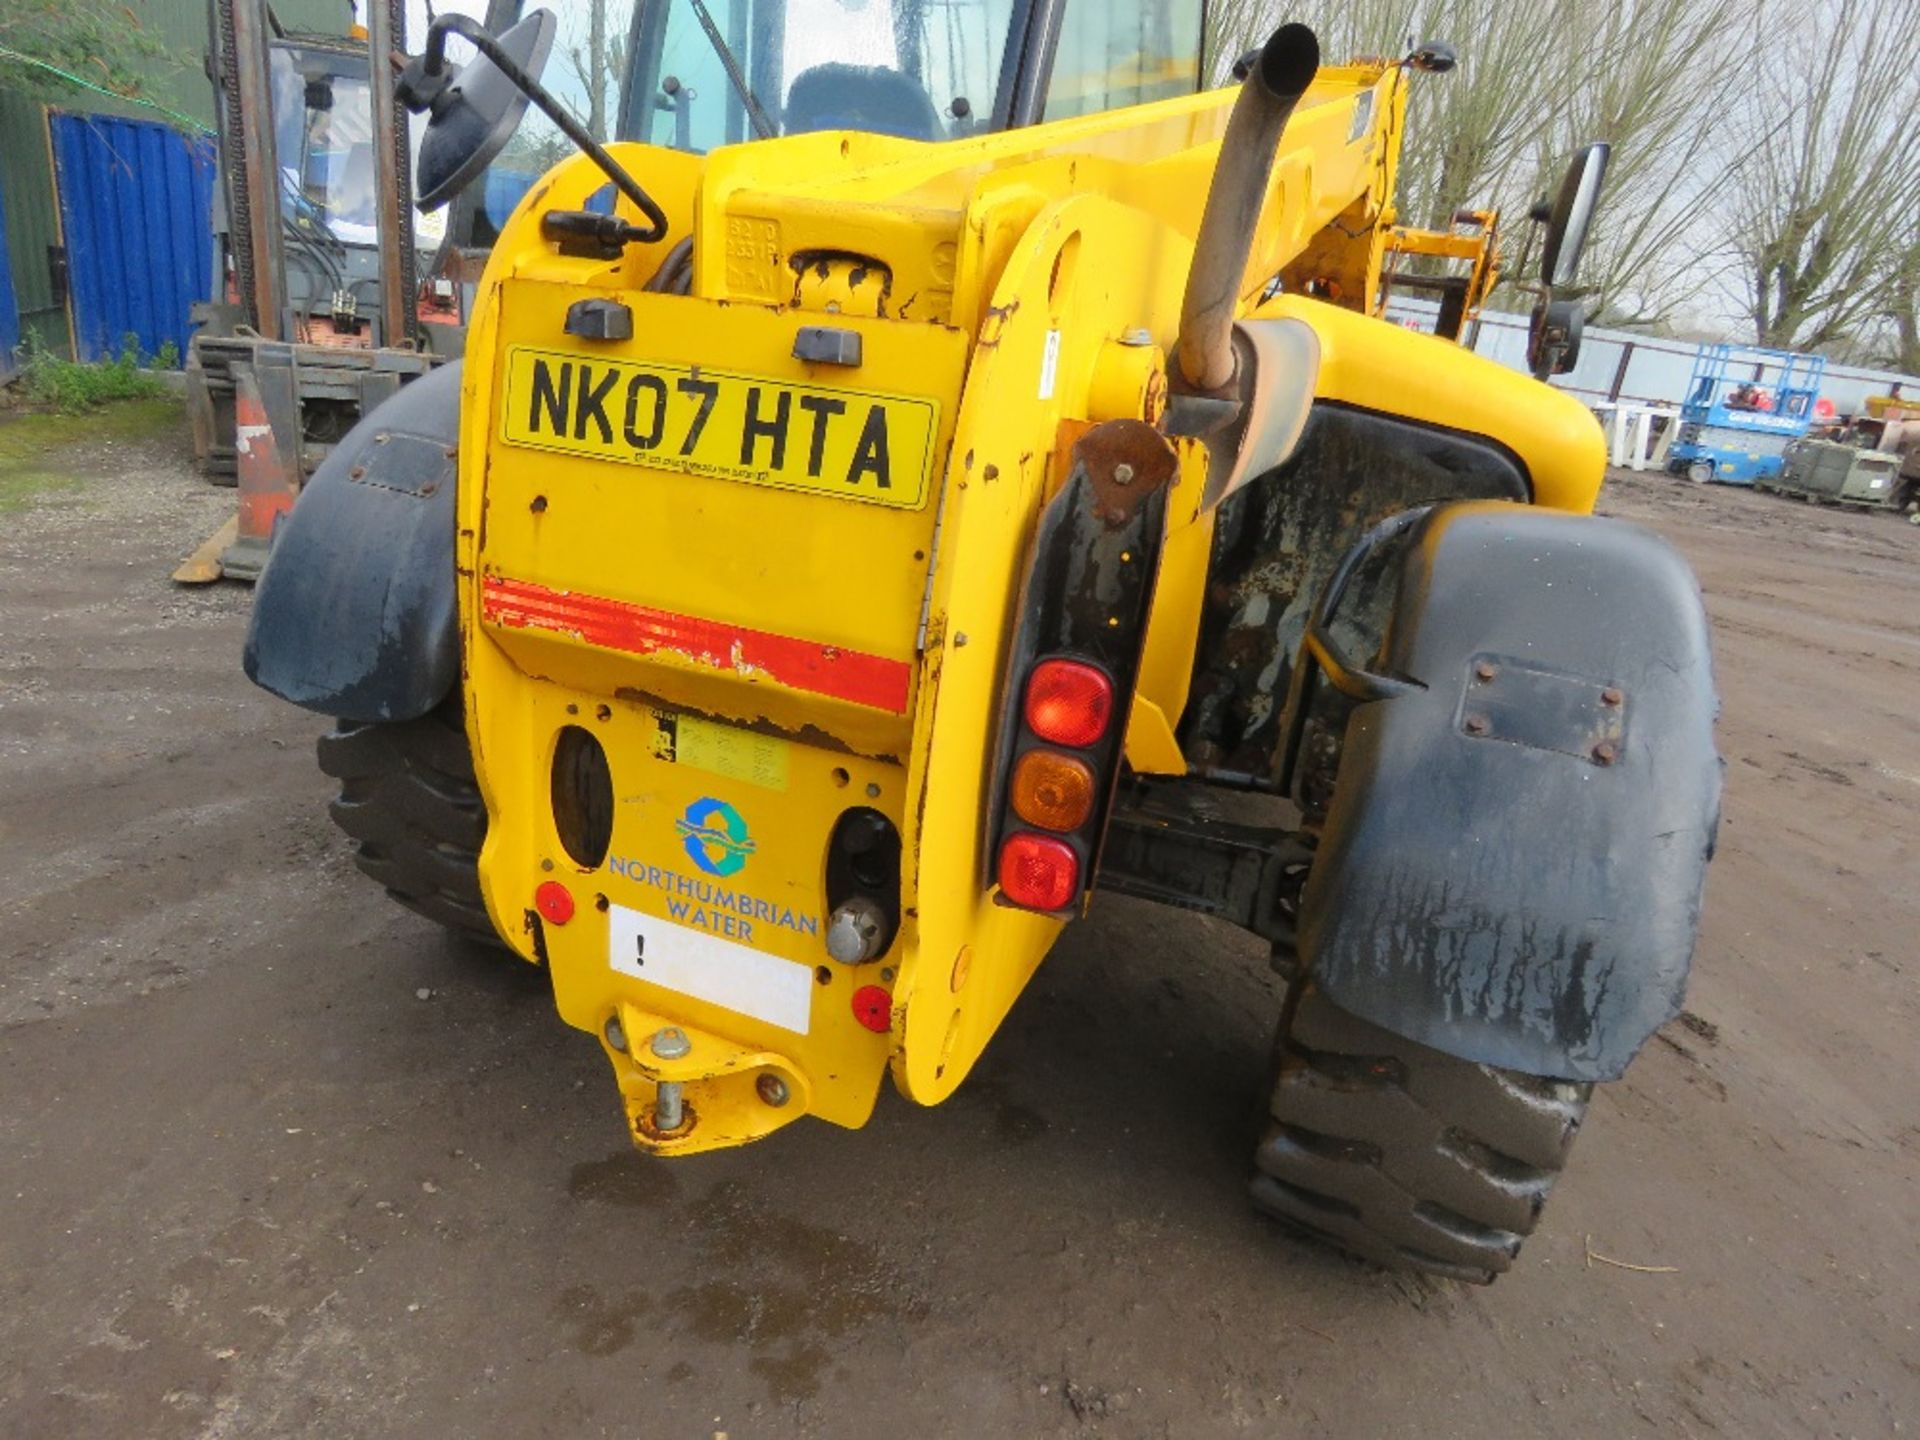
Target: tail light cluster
[{"x": 1063, "y": 759}]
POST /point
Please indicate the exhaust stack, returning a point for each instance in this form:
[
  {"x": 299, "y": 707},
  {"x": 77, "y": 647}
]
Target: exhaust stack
[{"x": 1280, "y": 75}]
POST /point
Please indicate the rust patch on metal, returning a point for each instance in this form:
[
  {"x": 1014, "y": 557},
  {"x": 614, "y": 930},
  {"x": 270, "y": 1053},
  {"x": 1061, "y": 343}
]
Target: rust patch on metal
[
  {"x": 818, "y": 266},
  {"x": 1544, "y": 709},
  {"x": 994, "y": 323},
  {"x": 1155, "y": 399},
  {"x": 1125, "y": 461}
]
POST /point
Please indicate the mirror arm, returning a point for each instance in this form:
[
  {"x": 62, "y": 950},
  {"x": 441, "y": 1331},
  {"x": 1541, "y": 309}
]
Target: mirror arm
[{"x": 434, "y": 72}]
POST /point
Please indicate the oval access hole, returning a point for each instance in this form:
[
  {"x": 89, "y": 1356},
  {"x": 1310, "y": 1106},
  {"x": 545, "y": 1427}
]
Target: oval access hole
[{"x": 582, "y": 797}]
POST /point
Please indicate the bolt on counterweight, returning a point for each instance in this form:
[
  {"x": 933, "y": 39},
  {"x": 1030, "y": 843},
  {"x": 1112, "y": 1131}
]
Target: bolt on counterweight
[{"x": 668, "y": 1111}]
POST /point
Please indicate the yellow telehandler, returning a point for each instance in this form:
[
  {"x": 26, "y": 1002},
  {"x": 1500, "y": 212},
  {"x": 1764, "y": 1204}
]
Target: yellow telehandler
[{"x": 891, "y": 493}]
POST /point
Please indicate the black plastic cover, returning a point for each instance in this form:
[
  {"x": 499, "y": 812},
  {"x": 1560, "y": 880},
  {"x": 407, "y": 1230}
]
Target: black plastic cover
[
  {"x": 356, "y": 615},
  {"x": 1512, "y": 865}
]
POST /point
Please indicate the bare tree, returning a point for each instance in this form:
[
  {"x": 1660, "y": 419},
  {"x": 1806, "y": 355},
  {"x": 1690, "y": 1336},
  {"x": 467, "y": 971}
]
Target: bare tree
[
  {"x": 1897, "y": 341},
  {"x": 1466, "y": 132},
  {"x": 1826, "y": 190},
  {"x": 596, "y": 68},
  {"x": 1641, "y": 86},
  {"x": 596, "y": 65},
  {"x": 1537, "y": 79}
]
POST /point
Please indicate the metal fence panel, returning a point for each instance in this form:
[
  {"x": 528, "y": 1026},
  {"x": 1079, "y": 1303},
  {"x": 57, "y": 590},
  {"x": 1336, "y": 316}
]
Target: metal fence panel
[
  {"x": 136, "y": 217},
  {"x": 1621, "y": 365}
]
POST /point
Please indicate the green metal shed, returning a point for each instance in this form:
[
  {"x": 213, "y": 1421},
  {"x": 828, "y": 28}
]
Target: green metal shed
[{"x": 26, "y": 162}]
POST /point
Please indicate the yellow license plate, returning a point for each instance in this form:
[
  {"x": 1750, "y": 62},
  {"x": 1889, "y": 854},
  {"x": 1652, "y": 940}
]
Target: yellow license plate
[{"x": 855, "y": 444}]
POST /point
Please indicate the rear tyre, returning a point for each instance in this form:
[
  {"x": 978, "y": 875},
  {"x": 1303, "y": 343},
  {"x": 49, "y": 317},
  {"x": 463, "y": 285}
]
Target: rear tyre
[
  {"x": 1401, "y": 1155},
  {"x": 1700, "y": 471},
  {"x": 409, "y": 799}
]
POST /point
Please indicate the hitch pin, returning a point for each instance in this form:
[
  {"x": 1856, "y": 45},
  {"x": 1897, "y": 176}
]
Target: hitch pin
[{"x": 668, "y": 1112}]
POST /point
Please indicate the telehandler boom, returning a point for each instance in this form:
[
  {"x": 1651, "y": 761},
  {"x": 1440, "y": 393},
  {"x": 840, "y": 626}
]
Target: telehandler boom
[{"x": 890, "y": 496}]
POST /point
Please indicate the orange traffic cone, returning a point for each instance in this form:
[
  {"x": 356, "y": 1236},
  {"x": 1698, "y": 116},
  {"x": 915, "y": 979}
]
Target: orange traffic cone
[{"x": 269, "y": 475}]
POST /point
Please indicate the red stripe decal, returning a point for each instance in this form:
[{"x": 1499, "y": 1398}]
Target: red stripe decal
[{"x": 641, "y": 630}]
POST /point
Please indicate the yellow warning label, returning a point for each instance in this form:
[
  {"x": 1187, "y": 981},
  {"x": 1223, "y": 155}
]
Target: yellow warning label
[{"x": 721, "y": 750}]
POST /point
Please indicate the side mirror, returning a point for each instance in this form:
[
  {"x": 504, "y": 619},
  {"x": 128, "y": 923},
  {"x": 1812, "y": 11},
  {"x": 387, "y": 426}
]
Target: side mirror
[
  {"x": 476, "y": 107},
  {"x": 1436, "y": 57},
  {"x": 1572, "y": 214}
]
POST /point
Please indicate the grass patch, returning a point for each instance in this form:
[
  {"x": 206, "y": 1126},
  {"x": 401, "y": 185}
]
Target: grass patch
[
  {"x": 69, "y": 387},
  {"x": 19, "y": 489},
  {"x": 37, "y": 450}
]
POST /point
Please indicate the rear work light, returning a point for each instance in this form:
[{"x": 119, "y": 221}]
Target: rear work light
[
  {"x": 1038, "y": 872},
  {"x": 1052, "y": 790},
  {"x": 1068, "y": 702}
]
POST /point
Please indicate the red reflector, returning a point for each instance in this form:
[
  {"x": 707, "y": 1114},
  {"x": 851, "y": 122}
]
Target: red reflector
[
  {"x": 1039, "y": 872},
  {"x": 554, "y": 902},
  {"x": 1068, "y": 702},
  {"x": 873, "y": 1008}
]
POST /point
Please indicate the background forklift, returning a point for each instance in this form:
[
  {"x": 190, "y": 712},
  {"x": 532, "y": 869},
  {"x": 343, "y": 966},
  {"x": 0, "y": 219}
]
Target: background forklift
[{"x": 334, "y": 289}]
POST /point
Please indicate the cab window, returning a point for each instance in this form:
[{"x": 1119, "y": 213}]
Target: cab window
[
  {"x": 719, "y": 72},
  {"x": 1110, "y": 56}
]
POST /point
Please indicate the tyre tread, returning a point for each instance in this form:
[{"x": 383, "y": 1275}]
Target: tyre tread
[
  {"x": 1401, "y": 1155},
  {"x": 411, "y": 803}
]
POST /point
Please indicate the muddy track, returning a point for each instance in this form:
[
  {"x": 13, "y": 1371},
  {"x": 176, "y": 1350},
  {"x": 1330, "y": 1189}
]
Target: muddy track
[{"x": 254, "y": 1186}]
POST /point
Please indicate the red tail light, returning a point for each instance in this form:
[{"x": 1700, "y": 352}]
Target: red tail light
[
  {"x": 1038, "y": 872},
  {"x": 1068, "y": 703}
]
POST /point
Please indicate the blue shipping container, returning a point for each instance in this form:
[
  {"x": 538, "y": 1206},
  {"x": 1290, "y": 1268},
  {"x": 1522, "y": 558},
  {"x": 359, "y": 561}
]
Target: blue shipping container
[
  {"x": 9, "y": 306},
  {"x": 136, "y": 215}
]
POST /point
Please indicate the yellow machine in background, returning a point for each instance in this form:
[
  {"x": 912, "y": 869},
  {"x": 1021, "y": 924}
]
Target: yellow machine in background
[{"x": 863, "y": 541}]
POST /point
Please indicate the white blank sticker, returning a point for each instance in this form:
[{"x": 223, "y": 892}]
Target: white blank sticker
[
  {"x": 705, "y": 967},
  {"x": 1049, "y": 364}
]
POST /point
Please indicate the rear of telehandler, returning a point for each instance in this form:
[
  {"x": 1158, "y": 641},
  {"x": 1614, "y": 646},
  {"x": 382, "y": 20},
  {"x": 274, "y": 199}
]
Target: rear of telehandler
[{"x": 862, "y": 547}]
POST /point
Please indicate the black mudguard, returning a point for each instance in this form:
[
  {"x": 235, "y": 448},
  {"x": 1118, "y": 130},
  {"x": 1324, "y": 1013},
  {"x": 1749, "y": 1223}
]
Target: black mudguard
[
  {"x": 356, "y": 614},
  {"x": 1528, "y": 794}
]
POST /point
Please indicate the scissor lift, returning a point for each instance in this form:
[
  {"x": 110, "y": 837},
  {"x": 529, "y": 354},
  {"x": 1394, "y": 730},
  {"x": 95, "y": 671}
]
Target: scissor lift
[{"x": 1743, "y": 406}]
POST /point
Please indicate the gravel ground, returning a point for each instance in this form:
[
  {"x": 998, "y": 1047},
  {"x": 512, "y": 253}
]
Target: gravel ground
[{"x": 254, "y": 1185}]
